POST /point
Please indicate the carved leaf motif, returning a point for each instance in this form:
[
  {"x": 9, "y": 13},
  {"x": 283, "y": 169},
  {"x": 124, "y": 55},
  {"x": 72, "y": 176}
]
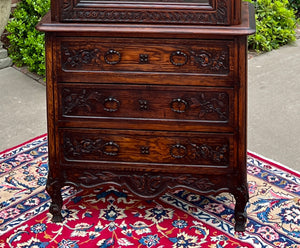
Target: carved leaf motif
[
  {"x": 75, "y": 148},
  {"x": 211, "y": 105},
  {"x": 72, "y": 100},
  {"x": 144, "y": 184},
  {"x": 217, "y": 154}
]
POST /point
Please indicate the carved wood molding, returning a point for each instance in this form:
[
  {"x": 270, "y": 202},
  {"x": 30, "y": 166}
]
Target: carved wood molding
[{"x": 72, "y": 11}]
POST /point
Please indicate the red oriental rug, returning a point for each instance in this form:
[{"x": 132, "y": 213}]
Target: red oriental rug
[{"x": 112, "y": 217}]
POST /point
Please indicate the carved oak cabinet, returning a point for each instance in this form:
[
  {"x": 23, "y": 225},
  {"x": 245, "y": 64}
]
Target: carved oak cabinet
[{"x": 148, "y": 98}]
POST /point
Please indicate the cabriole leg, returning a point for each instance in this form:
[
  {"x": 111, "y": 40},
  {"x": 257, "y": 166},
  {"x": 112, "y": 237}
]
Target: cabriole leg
[
  {"x": 54, "y": 190},
  {"x": 241, "y": 196}
]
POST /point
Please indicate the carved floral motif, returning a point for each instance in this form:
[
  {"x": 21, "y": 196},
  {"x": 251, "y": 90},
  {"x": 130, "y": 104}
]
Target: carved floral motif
[
  {"x": 78, "y": 57},
  {"x": 75, "y": 148},
  {"x": 217, "y": 104},
  {"x": 217, "y": 154},
  {"x": 72, "y": 100},
  {"x": 213, "y": 60},
  {"x": 146, "y": 184}
]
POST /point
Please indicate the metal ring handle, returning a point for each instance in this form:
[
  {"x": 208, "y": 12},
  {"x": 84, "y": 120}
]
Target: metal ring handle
[
  {"x": 178, "y": 151},
  {"x": 108, "y": 57},
  {"x": 111, "y": 104},
  {"x": 178, "y": 105},
  {"x": 111, "y": 149},
  {"x": 178, "y": 54}
]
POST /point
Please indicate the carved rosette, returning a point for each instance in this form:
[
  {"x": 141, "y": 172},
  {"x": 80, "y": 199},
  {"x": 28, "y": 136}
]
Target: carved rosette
[
  {"x": 73, "y": 12},
  {"x": 76, "y": 58},
  {"x": 214, "y": 60}
]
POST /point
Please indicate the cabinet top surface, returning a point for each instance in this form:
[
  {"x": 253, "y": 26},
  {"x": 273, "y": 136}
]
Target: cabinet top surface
[{"x": 246, "y": 27}]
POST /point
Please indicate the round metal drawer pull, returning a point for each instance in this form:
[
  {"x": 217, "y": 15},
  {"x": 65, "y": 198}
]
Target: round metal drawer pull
[
  {"x": 179, "y": 105},
  {"x": 111, "y": 149},
  {"x": 110, "y": 57},
  {"x": 111, "y": 104},
  {"x": 178, "y": 54},
  {"x": 178, "y": 151}
]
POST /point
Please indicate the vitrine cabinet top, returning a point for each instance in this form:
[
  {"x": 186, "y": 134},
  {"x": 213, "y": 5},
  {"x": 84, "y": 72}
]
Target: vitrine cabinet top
[{"x": 198, "y": 12}]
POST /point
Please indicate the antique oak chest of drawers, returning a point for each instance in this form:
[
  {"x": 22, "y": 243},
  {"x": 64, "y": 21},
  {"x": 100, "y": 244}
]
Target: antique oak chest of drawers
[{"x": 151, "y": 107}]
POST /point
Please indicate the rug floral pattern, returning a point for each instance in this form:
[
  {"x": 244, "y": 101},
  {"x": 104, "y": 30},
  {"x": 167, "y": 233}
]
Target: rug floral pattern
[{"x": 112, "y": 217}]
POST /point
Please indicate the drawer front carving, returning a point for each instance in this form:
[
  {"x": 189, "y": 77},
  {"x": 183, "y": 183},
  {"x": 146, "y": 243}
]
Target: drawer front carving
[
  {"x": 184, "y": 56},
  {"x": 167, "y": 148},
  {"x": 201, "y": 104}
]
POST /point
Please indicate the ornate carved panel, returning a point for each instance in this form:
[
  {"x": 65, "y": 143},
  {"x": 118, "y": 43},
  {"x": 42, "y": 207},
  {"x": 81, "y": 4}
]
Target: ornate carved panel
[
  {"x": 176, "y": 149},
  {"x": 82, "y": 99},
  {"x": 77, "y": 148},
  {"x": 147, "y": 185},
  {"x": 216, "y": 12},
  {"x": 76, "y": 58},
  {"x": 105, "y": 100},
  {"x": 132, "y": 55},
  {"x": 213, "y": 104},
  {"x": 214, "y": 60}
]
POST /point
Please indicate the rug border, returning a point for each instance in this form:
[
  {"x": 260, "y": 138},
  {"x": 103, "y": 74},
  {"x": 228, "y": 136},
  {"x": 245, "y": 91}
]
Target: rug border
[
  {"x": 274, "y": 163},
  {"x": 24, "y": 143}
]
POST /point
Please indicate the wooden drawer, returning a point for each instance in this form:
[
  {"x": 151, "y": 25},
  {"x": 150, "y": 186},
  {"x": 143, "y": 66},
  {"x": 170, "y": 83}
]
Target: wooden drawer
[
  {"x": 204, "y": 57},
  {"x": 190, "y": 105},
  {"x": 146, "y": 149}
]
